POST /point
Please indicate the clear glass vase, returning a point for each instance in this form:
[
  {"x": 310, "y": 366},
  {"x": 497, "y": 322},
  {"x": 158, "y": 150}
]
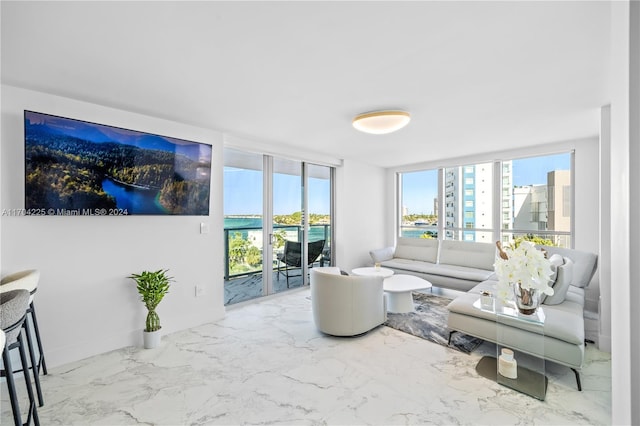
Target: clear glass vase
[{"x": 527, "y": 299}]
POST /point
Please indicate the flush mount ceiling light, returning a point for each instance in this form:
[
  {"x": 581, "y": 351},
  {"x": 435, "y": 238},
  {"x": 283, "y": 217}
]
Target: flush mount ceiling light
[{"x": 381, "y": 122}]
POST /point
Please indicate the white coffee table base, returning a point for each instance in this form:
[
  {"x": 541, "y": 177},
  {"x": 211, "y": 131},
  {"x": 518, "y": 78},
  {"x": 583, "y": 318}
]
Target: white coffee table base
[{"x": 398, "y": 289}]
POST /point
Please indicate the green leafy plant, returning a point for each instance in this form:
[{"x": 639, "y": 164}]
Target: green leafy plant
[
  {"x": 152, "y": 287},
  {"x": 535, "y": 240}
]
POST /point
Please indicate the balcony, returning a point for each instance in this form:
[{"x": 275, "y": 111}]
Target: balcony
[{"x": 243, "y": 260}]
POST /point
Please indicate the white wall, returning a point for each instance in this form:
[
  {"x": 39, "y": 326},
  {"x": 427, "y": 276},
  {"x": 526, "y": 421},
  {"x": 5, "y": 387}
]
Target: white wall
[
  {"x": 634, "y": 207},
  {"x": 604, "y": 338},
  {"x": 361, "y": 200},
  {"x": 586, "y": 210},
  {"x": 85, "y": 303}
]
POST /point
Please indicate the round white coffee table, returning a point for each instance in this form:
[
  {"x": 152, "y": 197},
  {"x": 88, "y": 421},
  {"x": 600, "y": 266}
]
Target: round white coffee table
[
  {"x": 373, "y": 271},
  {"x": 398, "y": 289}
]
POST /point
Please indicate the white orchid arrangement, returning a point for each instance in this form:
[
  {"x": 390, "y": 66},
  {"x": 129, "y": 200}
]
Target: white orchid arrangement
[{"x": 525, "y": 264}]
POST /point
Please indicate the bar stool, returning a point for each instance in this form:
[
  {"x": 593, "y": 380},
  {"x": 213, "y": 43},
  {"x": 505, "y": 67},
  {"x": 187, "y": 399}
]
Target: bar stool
[
  {"x": 28, "y": 280},
  {"x": 13, "y": 313}
]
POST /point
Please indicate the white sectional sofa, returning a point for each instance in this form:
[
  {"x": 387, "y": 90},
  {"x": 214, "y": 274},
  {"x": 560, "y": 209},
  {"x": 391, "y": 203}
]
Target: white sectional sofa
[
  {"x": 468, "y": 267},
  {"x": 457, "y": 265}
]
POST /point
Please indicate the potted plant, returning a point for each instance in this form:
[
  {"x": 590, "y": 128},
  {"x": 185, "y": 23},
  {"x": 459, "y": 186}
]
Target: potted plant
[{"x": 152, "y": 287}]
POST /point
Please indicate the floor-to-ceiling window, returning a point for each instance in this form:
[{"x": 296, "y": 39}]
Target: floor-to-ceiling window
[
  {"x": 419, "y": 204},
  {"x": 540, "y": 198},
  {"x": 287, "y": 223},
  {"x": 469, "y": 202},
  {"x": 528, "y": 198},
  {"x": 319, "y": 190},
  {"x": 243, "y": 225},
  {"x": 277, "y": 212}
]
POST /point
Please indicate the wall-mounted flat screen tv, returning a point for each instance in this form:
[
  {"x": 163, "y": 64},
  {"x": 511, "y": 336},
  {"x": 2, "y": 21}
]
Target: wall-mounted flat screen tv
[{"x": 74, "y": 167}]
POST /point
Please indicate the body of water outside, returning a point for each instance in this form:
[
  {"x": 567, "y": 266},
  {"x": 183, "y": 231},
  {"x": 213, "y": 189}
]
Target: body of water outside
[
  {"x": 417, "y": 231},
  {"x": 316, "y": 232}
]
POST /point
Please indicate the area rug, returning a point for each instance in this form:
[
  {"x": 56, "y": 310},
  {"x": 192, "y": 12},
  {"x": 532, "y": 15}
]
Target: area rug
[{"x": 429, "y": 322}]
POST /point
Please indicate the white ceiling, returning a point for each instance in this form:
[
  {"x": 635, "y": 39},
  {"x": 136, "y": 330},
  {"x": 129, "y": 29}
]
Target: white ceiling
[{"x": 476, "y": 76}]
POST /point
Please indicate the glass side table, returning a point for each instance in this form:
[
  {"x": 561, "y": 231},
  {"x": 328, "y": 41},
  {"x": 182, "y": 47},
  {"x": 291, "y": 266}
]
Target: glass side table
[{"x": 527, "y": 373}]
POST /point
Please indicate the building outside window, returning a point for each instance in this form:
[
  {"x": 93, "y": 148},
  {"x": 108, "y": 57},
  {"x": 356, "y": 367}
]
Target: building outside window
[{"x": 534, "y": 201}]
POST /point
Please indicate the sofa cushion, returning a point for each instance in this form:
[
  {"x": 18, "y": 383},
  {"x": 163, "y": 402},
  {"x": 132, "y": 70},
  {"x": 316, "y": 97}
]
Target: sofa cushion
[
  {"x": 575, "y": 295},
  {"x": 563, "y": 322},
  {"x": 415, "y": 253},
  {"x": 470, "y": 254},
  {"x": 451, "y": 271},
  {"x": 417, "y": 249},
  {"x": 462, "y": 272},
  {"x": 561, "y": 286},
  {"x": 409, "y": 264}
]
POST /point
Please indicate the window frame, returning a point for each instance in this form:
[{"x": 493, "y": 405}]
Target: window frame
[{"x": 502, "y": 222}]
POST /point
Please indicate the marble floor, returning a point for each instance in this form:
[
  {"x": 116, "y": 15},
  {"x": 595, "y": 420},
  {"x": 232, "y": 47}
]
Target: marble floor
[{"x": 265, "y": 363}]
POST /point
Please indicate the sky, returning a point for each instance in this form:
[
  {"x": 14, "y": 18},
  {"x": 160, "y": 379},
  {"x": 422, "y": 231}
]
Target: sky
[
  {"x": 243, "y": 193},
  {"x": 420, "y": 188},
  {"x": 533, "y": 171}
]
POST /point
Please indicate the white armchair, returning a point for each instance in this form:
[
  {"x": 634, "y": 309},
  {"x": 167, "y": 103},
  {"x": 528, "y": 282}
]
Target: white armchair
[{"x": 346, "y": 305}]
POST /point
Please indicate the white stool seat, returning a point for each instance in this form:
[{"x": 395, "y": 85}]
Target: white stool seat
[{"x": 23, "y": 280}]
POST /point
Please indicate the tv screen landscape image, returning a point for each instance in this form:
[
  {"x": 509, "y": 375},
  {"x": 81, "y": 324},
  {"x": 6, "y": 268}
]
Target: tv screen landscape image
[{"x": 74, "y": 167}]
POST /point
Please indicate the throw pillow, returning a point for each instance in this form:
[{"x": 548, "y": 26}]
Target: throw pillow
[
  {"x": 556, "y": 261},
  {"x": 561, "y": 286},
  {"x": 381, "y": 255}
]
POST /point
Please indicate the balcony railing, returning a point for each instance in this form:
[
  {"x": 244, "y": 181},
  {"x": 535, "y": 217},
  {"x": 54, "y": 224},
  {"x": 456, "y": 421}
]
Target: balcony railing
[{"x": 292, "y": 232}]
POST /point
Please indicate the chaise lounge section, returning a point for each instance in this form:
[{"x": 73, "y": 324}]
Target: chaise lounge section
[
  {"x": 468, "y": 267},
  {"x": 562, "y": 334}
]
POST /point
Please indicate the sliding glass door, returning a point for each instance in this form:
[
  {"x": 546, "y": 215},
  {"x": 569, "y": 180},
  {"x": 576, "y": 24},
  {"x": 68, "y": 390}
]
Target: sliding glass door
[
  {"x": 278, "y": 213},
  {"x": 319, "y": 196},
  {"x": 287, "y": 223},
  {"x": 243, "y": 226}
]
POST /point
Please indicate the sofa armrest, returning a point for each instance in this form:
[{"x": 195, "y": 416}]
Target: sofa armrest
[{"x": 380, "y": 255}]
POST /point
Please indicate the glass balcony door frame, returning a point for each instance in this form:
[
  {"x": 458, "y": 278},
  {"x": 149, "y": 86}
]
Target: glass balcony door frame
[
  {"x": 267, "y": 226},
  {"x": 268, "y": 230}
]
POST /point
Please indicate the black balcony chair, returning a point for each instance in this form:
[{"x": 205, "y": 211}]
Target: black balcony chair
[{"x": 292, "y": 256}]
